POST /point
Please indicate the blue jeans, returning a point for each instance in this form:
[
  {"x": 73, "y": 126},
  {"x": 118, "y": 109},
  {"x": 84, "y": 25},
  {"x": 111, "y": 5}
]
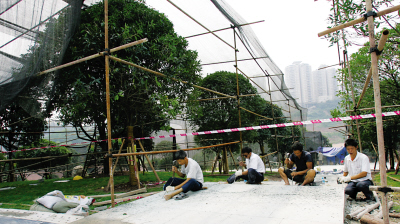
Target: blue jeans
[
  {"x": 252, "y": 176},
  {"x": 191, "y": 185},
  {"x": 354, "y": 187}
]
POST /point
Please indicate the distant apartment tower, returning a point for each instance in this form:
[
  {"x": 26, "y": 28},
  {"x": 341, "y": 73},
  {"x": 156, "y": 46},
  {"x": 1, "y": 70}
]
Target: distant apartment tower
[
  {"x": 326, "y": 85},
  {"x": 298, "y": 78}
]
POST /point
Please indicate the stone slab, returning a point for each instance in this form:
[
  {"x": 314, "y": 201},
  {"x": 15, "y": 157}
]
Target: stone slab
[{"x": 271, "y": 202}]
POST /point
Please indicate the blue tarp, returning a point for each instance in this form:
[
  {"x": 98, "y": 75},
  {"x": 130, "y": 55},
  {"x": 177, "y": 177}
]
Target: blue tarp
[{"x": 333, "y": 154}]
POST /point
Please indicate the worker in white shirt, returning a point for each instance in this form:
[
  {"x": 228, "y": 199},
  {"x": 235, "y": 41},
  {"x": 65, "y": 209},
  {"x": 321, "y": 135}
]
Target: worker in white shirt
[
  {"x": 255, "y": 167},
  {"x": 357, "y": 171}
]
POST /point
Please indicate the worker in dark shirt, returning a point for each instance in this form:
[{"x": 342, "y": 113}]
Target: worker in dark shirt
[{"x": 305, "y": 172}]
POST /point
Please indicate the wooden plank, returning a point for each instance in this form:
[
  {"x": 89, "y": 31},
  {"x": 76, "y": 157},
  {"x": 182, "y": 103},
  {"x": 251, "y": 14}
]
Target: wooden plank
[
  {"x": 119, "y": 195},
  {"x": 123, "y": 199}
]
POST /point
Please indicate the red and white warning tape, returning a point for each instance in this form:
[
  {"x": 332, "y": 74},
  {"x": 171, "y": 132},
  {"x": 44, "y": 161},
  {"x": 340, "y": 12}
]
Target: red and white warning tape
[{"x": 357, "y": 117}]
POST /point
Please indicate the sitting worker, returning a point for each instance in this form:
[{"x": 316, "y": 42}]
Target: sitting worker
[
  {"x": 191, "y": 169},
  {"x": 255, "y": 168},
  {"x": 357, "y": 171},
  {"x": 305, "y": 172}
]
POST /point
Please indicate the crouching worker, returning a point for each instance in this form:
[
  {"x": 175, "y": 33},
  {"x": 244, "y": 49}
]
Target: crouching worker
[
  {"x": 304, "y": 173},
  {"x": 191, "y": 170},
  {"x": 357, "y": 171},
  {"x": 255, "y": 168}
]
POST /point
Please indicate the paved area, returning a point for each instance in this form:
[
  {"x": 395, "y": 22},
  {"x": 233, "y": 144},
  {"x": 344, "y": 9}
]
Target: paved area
[
  {"x": 271, "y": 202},
  {"x": 11, "y": 216}
]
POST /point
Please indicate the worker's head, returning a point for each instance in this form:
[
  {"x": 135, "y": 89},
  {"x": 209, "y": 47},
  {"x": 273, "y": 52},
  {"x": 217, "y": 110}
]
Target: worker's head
[
  {"x": 351, "y": 146},
  {"x": 297, "y": 148},
  {"x": 246, "y": 152},
  {"x": 180, "y": 157}
]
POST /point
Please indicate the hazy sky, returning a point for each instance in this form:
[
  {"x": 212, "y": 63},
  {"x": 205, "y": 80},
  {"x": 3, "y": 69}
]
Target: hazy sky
[{"x": 290, "y": 31}]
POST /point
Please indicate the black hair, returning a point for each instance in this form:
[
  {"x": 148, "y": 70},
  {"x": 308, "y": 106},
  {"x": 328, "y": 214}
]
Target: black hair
[
  {"x": 297, "y": 146},
  {"x": 246, "y": 150},
  {"x": 180, "y": 154},
  {"x": 350, "y": 142}
]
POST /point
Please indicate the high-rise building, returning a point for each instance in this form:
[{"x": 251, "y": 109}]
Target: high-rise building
[{"x": 310, "y": 87}]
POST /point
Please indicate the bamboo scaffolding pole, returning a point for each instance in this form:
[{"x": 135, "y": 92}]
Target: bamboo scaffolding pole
[
  {"x": 169, "y": 151},
  {"x": 378, "y": 109},
  {"x": 376, "y": 188},
  {"x": 200, "y": 24},
  {"x": 381, "y": 45},
  {"x": 268, "y": 154},
  {"x": 107, "y": 67},
  {"x": 162, "y": 75},
  {"x": 103, "y": 53},
  {"x": 135, "y": 162},
  {"x": 223, "y": 62},
  {"x": 148, "y": 160},
  {"x": 267, "y": 118},
  {"x": 372, "y": 108},
  {"x": 227, "y": 28},
  {"x": 237, "y": 91},
  {"x": 252, "y": 81},
  {"x": 330, "y": 66},
  {"x": 116, "y": 162},
  {"x": 359, "y": 20}
]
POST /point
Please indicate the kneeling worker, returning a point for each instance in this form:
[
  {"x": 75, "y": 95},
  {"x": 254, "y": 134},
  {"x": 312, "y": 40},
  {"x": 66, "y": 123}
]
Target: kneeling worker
[
  {"x": 192, "y": 170},
  {"x": 356, "y": 171},
  {"x": 305, "y": 172},
  {"x": 255, "y": 168}
]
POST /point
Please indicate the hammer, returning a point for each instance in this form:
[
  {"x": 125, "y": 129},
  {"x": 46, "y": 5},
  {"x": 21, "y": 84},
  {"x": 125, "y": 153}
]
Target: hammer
[
  {"x": 287, "y": 155},
  {"x": 174, "y": 163}
]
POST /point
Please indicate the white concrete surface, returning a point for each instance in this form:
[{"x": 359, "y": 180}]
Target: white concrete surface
[
  {"x": 8, "y": 215},
  {"x": 271, "y": 202}
]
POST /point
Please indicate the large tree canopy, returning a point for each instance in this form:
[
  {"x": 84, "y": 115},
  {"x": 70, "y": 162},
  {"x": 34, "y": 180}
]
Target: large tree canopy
[
  {"x": 223, "y": 113},
  {"x": 137, "y": 97}
]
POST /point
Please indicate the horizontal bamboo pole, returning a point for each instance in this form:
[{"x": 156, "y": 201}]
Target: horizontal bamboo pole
[
  {"x": 169, "y": 151},
  {"x": 223, "y": 62},
  {"x": 200, "y": 24},
  {"x": 124, "y": 199},
  {"x": 244, "y": 24},
  {"x": 267, "y": 118},
  {"x": 375, "y": 188},
  {"x": 141, "y": 190},
  {"x": 356, "y": 21},
  {"x": 268, "y": 154},
  {"x": 367, "y": 210},
  {"x": 162, "y": 75},
  {"x": 372, "y": 108},
  {"x": 381, "y": 45},
  {"x": 93, "y": 56}
]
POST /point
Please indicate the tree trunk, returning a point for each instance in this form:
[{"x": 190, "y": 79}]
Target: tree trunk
[
  {"x": 225, "y": 161},
  {"x": 133, "y": 180},
  {"x": 391, "y": 158}
]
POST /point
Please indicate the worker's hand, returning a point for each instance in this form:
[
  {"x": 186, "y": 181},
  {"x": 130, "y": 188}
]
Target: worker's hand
[
  {"x": 174, "y": 169},
  {"x": 347, "y": 179},
  {"x": 294, "y": 174},
  {"x": 241, "y": 163},
  {"x": 238, "y": 173},
  {"x": 286, "y": 161},
  {"x": 169, "y": 188}
]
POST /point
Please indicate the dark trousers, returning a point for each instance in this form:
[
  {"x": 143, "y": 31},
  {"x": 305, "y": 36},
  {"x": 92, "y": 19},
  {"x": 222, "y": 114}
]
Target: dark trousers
[
  {"x": 191, "y": 185},
  {"x": 252, "y": 176},
  {"x": 354, "y": 187}
]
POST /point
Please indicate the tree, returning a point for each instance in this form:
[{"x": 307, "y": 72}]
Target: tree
[
  {"x": 44, "y": 163},
  {"x": 137, "y": 98},
  {"x": 285, "y": 135},
  {"x": 389, "y": 75},
  {"x": 223, "y": 113}
]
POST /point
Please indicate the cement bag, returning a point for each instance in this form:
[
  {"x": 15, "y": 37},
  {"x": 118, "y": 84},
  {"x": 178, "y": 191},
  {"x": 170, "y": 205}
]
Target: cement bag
[
  {"x": 80, "y": 199},
  {"x": 56, "y": 193},
  {"x": 40, "y": 208},
  {"x": 64, "y": 206},
  {"x": 49, "y": 201},
  {"x": 80, "y": 210}
]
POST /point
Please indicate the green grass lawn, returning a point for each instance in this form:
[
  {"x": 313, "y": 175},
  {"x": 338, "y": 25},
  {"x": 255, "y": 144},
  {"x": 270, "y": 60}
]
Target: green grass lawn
[
  {"x": 23, "y": 195},
  {"x": 391, "y": 183}
]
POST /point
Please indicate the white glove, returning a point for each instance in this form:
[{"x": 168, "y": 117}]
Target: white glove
[
  {"x": 238, "y": 173},
  {"x": 169, "y": 188},
  {"x": 346, "y": 179},
  {"x": 340, "y": 179}
]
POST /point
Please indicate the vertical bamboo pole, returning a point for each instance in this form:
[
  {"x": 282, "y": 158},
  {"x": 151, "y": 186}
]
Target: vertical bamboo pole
[
  {"x": 237, "y": 88},
  {"x": 378, "y": 112},
  {"x": 108, "y": 100}
]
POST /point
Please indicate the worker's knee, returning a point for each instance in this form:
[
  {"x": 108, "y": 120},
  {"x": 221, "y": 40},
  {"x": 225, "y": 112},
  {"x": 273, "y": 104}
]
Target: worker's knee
[
  {"x": 281, "y": 169},
  {"x": 311, "y": 173}
]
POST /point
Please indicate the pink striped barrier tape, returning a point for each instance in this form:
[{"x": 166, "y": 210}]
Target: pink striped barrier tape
[{"x": 357, "y": 117}]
